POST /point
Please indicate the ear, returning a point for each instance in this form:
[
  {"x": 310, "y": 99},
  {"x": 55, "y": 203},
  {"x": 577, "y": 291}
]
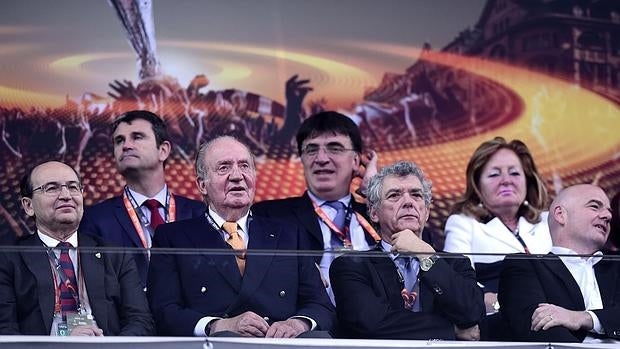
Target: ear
[
  {"x": 27, "y": 206},
  {"x": 372, "y": 213},
  {"x": 202, "y": 185},
  {"x": 164, "y": 150},
  {"x": 559, "y": 214}
]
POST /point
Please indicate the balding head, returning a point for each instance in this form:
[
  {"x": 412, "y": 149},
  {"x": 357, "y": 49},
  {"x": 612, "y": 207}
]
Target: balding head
[{"x": 579, "y": 218}]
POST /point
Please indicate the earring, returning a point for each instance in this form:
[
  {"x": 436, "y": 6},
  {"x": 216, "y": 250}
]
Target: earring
[
  {"x": 480, "y": 205},
  {"x": 526, "y": 203}
]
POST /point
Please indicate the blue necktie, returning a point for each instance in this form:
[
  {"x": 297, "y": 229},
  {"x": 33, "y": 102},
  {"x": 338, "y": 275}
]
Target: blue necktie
[
  {"x": 410, "y": 279},
  {"x": 338, "y": 221}
]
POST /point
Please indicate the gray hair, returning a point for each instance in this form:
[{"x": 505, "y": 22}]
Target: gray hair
[
  {"x": 201, "y": 166},
  {"x": 398, "y": 169}
]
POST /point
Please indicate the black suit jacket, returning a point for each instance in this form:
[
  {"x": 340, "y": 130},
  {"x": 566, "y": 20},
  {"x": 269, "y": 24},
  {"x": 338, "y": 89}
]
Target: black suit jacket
[
  {"x": 367, "y": 290},
  {"x": 109, "y": 221},
  {"x": 182, "y": 288},
  {"x": 300, "y": 211},
  {"x": 525, "y": 283},
  {"x": 112, "y": 283}
]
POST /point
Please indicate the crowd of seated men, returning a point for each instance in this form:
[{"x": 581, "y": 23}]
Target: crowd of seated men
[{"x": 515, "y": 267}]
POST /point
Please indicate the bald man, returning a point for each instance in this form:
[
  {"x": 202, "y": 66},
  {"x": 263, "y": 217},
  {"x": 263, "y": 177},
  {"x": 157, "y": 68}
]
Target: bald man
[{"x": 571, "y": 294}]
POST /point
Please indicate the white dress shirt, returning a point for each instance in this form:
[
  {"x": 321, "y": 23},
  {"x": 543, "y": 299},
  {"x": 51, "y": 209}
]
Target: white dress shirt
[{"x": 161, "y": 197}]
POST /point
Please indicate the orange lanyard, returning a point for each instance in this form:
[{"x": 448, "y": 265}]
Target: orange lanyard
[
  {"x": 133, "y": 212},
  {"x": 346, "y": 239}
]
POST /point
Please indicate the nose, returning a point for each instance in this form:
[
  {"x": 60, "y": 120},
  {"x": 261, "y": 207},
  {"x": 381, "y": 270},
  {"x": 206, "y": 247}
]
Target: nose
[
  {"x": 321, "y": 155},
  {"x": 64, "y": 192},
  {"x": 235, "y": 173}
]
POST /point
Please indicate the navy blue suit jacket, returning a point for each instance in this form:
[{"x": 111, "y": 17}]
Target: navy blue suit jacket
[
  {"x": 525, "y": 283},
  {"x": 182, "y": 288},
  {"x": 112, "y": 283},
  {"x": 369, "y": 303},
  {"x": 109, "y": 221}
]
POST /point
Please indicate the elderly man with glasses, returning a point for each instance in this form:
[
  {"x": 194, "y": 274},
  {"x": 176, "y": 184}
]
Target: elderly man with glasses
[{"x": 59, "y": 282}]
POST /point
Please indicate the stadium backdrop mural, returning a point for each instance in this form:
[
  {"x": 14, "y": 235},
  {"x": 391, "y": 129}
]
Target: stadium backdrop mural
[{"x": 426, "y": 81}]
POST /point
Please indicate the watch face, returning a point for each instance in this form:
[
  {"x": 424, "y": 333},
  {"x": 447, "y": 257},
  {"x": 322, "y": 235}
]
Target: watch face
[{"x": 426, "y": 264}]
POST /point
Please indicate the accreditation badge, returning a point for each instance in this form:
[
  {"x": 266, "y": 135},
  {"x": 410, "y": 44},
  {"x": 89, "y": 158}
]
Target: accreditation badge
[{"x": 79, "y": 319}]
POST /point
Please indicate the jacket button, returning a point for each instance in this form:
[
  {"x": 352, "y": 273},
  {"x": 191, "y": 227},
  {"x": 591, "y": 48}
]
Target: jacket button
[
  {"x": 203, "y": 289},
  {"x": 437, "y": 289},
  {"x": 282, "y": 294}
]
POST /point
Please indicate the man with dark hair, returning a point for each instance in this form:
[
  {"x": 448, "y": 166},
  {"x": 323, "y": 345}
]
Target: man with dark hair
[
  {"x": 571, "y": 294},
  {"x": 51, "y": 287},
  {"x": 330, "y": 147},
  {"x": 141, "y": 148},
  {"x": 404, "y": 290},
  {"x": 243, "y": 293}
]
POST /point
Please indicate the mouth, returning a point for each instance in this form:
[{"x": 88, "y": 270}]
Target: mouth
[
  {"x": 125, "y": 156},
  {"x": 505, "y": 192},
  {"x": 237, "y": 190},
  {"x": 65, "y": 207},
  {"x": 322, "y": 172},
  {"x": 601, "y": 227}
]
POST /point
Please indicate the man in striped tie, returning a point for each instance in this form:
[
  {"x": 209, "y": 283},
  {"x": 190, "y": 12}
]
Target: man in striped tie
[
  {"x": 48, "y": 287},
  {"x": 236, "y": 291}
]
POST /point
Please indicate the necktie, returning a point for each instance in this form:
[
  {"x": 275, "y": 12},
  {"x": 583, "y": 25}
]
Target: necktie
[
  {"x": 68, "y": 288},
  {"x": 153, "y": 206},
  {"x": 411, "y": 290},
  {"x": 235, "y": 241},
  {"x": 338, "y": 221}
]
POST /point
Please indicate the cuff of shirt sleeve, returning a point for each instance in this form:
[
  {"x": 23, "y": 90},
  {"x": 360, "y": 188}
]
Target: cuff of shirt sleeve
[
  {"x": 199, "y": 329},
  {"x": 596, "y": 324},
  {"x": 312, "y": 322}
]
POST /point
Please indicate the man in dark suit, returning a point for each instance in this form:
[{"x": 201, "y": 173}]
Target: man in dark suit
[
  {"x": 330, "y": 147},
  {"x": 573, "y": 293},
  {"x": 141, "y": 148},
  {"x": 235, "y": 292},
  {"x": 47, "y": 282},
  {"x": 404, "y": 289}
]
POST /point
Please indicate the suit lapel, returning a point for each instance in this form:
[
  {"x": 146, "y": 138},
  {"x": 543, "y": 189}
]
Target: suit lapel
[
  {"x": 120, "y": 212},
  {"x": 257, "y": 266},
  {"x": 496, "y": 230},
  {"x": 607, "y": 278},
  {"x": 557, "y": 267},
  {"x": 304, "y": 210},
  {"x": 389, "y": 278},
  {"x": 39, "y": 265},
  {"x": 361, "y": 209},
  {"x": 205, "y": 236},
  {"x": 93, "y": 270}
]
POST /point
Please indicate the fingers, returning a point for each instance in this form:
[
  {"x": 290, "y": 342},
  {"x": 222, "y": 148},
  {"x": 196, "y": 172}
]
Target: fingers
[
  {"x": 86, "y": 330},
  {"x": 252, "y": 325},
  {"x": 543, "y": 318},
  {"x": 283, "y": 329}
]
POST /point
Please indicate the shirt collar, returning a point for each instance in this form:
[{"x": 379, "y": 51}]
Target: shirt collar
[
  {"x": 51, "y": 242},
  {"x": 161, "y": 196},
  {"x": 219, "y": 221},
  {"x": 592, "y": 260},
  {"x": 319, "y": 202}
]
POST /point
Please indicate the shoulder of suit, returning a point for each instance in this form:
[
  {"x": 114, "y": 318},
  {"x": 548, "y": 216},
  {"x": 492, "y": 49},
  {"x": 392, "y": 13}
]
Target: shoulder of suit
[
  {"x": 183, "y": 199},
  {"x": 267, "y": 205},
  {"x": 105, "y": 204}
]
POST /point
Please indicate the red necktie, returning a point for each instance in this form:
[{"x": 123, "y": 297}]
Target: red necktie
[
  {"x": 68, "y": 288},
  {"x": 153, "y": 206}
]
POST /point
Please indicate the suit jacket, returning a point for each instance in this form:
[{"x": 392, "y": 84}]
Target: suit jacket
[
  {"x": 182, "y": 288},
  {"x": 112, "y": 283},
  {"x": 466, "y": 235},
  {"x": 525, "y": 283},
  {"x": 110, "y": 221},
  {"x": 370, "y": 305},
  {"x": 300, "y": 211}
]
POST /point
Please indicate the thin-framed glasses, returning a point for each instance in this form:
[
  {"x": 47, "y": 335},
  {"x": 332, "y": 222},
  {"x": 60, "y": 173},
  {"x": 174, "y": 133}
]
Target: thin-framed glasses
[
  {"x": 75, "y": 188},
  {"x": 312, "y": 150}
]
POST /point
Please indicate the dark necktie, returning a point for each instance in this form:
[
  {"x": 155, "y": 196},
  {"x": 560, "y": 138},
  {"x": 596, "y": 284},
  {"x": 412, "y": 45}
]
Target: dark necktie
[
  {"x": 236, "y": 242},
  {"x": 153, "y": 206},
  {"x": 338, "y": 221},
  {"x": 411, "y": 290},
  {"x": 68, "y": 288}
]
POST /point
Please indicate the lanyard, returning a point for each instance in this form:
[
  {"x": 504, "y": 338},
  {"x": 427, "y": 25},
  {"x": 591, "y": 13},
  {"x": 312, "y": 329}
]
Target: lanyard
[
  {"x": 64, "y": 279},
  {"x": 345, "y": 235},
  {"x": 516, "y": 234},
  {"x": 139, "y": 220}
]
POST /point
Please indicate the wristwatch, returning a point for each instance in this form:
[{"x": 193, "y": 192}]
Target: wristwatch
[{"x": 427, "y": 262}]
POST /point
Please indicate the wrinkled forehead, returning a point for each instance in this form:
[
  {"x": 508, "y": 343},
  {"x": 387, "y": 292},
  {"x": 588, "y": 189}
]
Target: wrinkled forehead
[
  {"x": 227, "y": 151},
  {"x": 52, "y": 172},
  {"x": 401, "y": 183},
  {"x": 136, "y": 125},
  {"x": 320, "y": 138}
]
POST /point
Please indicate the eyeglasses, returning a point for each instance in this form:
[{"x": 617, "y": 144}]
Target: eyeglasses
[
  {"x": 312, "y": 150},
  {"x": 54, "y": 188}
]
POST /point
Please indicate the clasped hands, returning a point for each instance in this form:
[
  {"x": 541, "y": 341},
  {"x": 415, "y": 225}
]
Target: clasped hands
[
  {"x": 250, "y": 324},
  {"x": 547, "y": 316}
]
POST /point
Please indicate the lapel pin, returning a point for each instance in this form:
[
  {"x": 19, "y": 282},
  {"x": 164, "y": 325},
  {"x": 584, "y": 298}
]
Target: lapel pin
[
  {"x": 272, "y": 235},
  {"x": 98, "y": 255}
]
